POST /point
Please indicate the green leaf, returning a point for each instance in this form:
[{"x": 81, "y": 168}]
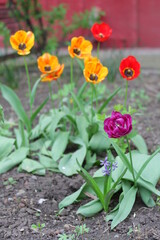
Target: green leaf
[
  {"x": 71, "y": 198},
  {"x": 33, "y": 93},
  {"x": 54, "y": 119},
  {"x": 125, "y": 207},
  {"x": 30, "y": 165},
  {"x": 123, "y": 157},
  {"x": 90, "y": 160},
  {"x": 15, "y": 102},
  {"x": 146, "y": 197},
  {"x": 147, "y": 179},
  {"x": 108, "y": 100},
  {"x": 90, "y": 180},
  {"x": 90, "y": 209},
  {"x": 48, "y": 162},
  {"x": 92, "y": 129},
  {"x": 59, "y": 145},
  {"x": 21, "y": 136},
  {"x": 140, "y": 144},
  {"x": 13, "y": 159},
  {"x": 6, "y": 146},
  {"x": 39, "y": 109},
  {"x": 82, "y": 125},
  {"x": 80, "y": 106},
  {"x": 81, "y": 90},
  {"x": 146, "y": 163},
  {"x": 37, "y": 144},
  {"x": 68, "y": 164},
  {"x": 99, "y": 142}
]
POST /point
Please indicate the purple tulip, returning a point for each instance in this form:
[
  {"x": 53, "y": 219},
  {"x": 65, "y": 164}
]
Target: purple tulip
[{"x": 118, "y": 125}]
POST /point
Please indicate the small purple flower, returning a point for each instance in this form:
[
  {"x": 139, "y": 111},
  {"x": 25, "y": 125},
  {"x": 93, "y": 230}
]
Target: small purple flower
[
  {"x": 105, "y": 162},
  {"x": 118, "y": 125},
  {"x": 108, "y": 166}
]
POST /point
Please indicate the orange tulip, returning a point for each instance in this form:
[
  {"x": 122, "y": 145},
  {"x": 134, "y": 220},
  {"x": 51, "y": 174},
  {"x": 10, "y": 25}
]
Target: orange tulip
[
  {"x": 50, "y": 67},
  {"x": 48, "y": 63},
  {"x": 80, "y": 48},
  {"x": 22, "y": 42},
  {"x": 53, "y": 75},
  {"x": 94, "y": 71}
]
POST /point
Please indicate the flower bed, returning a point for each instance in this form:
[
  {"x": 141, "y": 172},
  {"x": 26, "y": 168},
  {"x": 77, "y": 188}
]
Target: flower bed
[{"x": 79, "y": 124}]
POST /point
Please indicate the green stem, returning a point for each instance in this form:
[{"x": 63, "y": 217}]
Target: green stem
[
  {"x": 125, "y": 101},
  {"x": 71, "y": 72},
  {"x": 59, "y": 88},
  {"x": 106, "y": 178},
  {"x": 51, "y": 93},
  {"x": 131, "y": 162},
  {"x": 95, "y": 92},
  {"x": 29, "y": 84},
  {"x": 92, "y": 110},
  {"x": 98, "y": 47}
]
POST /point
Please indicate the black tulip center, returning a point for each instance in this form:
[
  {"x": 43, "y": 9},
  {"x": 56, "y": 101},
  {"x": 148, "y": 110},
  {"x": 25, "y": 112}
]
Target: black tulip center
[
  {"x": 128, "y": 72},
  {"x": 93, "y": 76},
  {"x": 77, "y": 51},
  {"x": 22, "y": 46},
  {"x": 47, "y": 68},
  {"x": 101, "y": 35}
]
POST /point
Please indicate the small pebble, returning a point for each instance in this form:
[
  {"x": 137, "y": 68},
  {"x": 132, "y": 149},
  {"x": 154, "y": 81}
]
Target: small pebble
[{"x": 20, "y": 192}]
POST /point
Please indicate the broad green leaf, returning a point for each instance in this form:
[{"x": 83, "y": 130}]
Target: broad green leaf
[
  {"x": 6, "y": 146},
  {"x": 37, "y": 145},
  {"x": 30, "y": 165},
  {"x": 112, "y": 214},
  {"x": 71, "y": 198},
  {"x": 48, "y": 162},
  {"x": 99, "y": 142},
  {"x": 40, "y": 172},
  {"x": 80, "y": 193},
  {"x": 148, "y": 160},
  {"x": 15, "y": 102},
  {"x": 108, "y": 100},
  {"x": 125, "y": 207},
  {"x": 82, "y": 125},
  {"x": 92, "y": 129},
  {"x": 147, "y": 180},
  {"x": 59, "y": 145},
  {"x": 146, "y": 197},
  {"x": 68, "y": 164},
  {"x": 21, "y": 136},
  {"x": 140, "y": 144},
  {"x": 55, "y": 119},
  {"x": 34, "y": 89},
  {"x": 90, "y": 159},
  {"x": 90, "y": 209},
  {"x": 41, "y": 126},
  {"x": 13, "y": 159}
]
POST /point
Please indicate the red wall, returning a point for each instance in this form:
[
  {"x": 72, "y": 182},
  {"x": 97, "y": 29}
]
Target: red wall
[{"x": 134, "y": 22}]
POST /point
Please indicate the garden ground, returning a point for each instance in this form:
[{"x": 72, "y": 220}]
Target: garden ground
[{"x": 20, "y": 206}]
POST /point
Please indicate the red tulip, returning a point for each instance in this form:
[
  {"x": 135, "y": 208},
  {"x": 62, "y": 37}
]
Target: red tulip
[
  {"x": 129, "y": 68},
  {"x": 101, "y": 32}
]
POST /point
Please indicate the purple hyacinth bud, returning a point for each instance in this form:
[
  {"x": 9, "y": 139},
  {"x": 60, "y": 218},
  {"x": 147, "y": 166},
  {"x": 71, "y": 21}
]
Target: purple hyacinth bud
[{"x": 108, "y": 166}]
